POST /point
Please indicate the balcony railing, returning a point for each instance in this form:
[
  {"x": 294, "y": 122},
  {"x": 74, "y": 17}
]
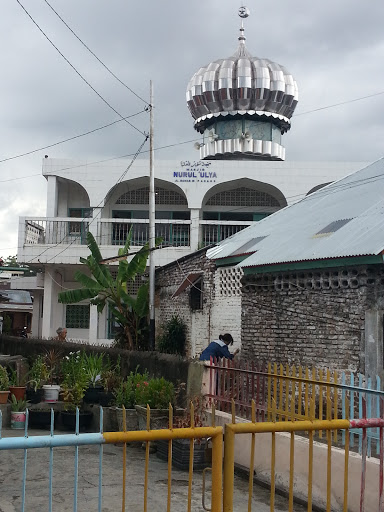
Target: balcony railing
[
  {"x": 57, "y": 231},
  {"x": 174, "y": 233},
  {"x": 216, "y": 231}
]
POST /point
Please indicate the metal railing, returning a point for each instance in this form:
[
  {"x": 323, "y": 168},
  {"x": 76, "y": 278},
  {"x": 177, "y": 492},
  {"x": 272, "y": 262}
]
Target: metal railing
[
  {"x": 76, "y": 440},
  {"x": 56, "y": 231},
  {"x": 215, "y": 231},
  {"x": 310, "y": 426},
  {"x": 292, "y": 389},
  {"x": 114, "y": 232}
]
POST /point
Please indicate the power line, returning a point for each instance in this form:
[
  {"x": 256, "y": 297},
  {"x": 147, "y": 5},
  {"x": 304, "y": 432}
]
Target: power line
[
  {"x": 94, "y": 218},
  {"x": 339, "y": 104},
  {"x": 76, "y": 71},
  {"x": 96, "y": 57},
  {"x": 69, "y": 139}
]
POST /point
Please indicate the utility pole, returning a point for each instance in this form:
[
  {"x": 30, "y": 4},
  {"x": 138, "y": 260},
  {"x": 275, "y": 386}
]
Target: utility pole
[{"x": 152, "y": 228}]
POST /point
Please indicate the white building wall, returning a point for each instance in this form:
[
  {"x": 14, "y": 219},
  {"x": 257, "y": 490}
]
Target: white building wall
[{"x": 226, "y": 306}]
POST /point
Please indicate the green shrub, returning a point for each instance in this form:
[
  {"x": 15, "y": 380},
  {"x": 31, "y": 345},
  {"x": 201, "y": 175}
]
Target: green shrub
[
  {"x": 4, "y": 379},
  {"x": 173, "y": 338},
  {"x": 125, "y": 394},
  {"x": 157, "y": 393}
]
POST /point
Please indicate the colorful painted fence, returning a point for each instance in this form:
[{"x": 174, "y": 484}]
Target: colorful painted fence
[
  {"x": 51, "y": 491},
  {"x": 292, "y": 389},
  {"x": 349, "y": 493}
]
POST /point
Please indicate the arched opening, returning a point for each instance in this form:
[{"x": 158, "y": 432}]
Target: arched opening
[
  {"x": 318, "y": 187},
  {"x": 235, "y": 205},
  {"x": 129, "y": 202}
]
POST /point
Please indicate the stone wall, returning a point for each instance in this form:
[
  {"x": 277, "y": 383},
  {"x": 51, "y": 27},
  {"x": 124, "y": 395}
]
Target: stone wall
[{"x": 313, "y": 318}]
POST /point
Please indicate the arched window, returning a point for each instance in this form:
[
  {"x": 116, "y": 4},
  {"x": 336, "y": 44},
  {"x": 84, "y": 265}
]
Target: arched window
[
  {"x": 242, "y": 196},
  {"x": 162, "y": 196}
]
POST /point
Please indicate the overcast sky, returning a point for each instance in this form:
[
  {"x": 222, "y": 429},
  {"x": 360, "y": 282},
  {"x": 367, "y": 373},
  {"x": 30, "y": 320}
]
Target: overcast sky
[{"x": 334, "y": 49}]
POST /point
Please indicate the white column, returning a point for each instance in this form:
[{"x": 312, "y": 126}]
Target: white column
[
  {"x": 93, "y": 324},
  {"x": 48, "y": 312},
  {"x": 52, "y": 195},
  {"x": 195, "y": 229},
  {"x": 94, "y": 227}
]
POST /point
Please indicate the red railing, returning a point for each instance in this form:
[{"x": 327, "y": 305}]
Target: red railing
[{"x": 229, "y": 380}]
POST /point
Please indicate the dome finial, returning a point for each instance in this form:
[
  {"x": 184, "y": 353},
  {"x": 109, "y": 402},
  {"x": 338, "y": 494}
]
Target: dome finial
[{"x": 243, "y": 12}]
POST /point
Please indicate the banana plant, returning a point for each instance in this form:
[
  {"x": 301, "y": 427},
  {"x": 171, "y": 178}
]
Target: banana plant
[{"x": 131, "y": 313}]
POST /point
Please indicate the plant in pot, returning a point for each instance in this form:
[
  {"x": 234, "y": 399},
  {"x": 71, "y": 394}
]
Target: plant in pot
[
  {"x": 38, "y": 375},
  {"x": 75, "y": 382},
  {"x": 94, "y": 365},
  {"x": 125, "y": 400},
  {"x": 158, "y": 393},
  {"x": 18, "y": 412},
  {"x": 4, "y": 385},
  {"x": 195, "y": 416},
  {"x": 51, "y": 390},
  {"x": 16, "y": 386}
]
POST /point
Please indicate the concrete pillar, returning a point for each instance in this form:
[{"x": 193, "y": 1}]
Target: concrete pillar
[
  {"x": 95, "y": 227},
  {"x": 50, "y": 298},
  {"x": 195, "y": 229},
  {"x": 373, "y": 342},
  {"x": 52, "y": 196},
  {"x": 93, "y": 324},
  {"x": 37, "y": 303}
]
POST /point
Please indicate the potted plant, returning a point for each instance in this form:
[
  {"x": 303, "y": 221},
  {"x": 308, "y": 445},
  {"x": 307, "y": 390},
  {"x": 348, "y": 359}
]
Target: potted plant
[
  {"x": 4, "y": 385},
  {"x": 158, "y": 393},
  {"x": 18, "y": 412},
  {"x": 125, "y": 396},
  {"x": 75, "y": 382},
  {"x": 15, "y": 386},
  {"x": 51, "y": 391},
  {"x": 94, "y": 365},
  {"x": 181, "y": 447},
  {"x": 38, "y": 375}
]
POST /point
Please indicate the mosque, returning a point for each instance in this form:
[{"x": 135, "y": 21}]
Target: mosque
[{"x": 242, "y": 106}]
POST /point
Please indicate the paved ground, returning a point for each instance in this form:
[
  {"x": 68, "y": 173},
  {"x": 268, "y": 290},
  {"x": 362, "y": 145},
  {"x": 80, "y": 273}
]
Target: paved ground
[{"x": 63, "y": 482}]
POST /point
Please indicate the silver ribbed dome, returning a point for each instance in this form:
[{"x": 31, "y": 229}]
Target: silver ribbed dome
[{"x": 240, "y": 85}]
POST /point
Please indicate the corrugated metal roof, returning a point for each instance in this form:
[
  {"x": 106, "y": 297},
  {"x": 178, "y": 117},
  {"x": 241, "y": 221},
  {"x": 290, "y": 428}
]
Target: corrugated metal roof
[{"x": 291, "y": 232}]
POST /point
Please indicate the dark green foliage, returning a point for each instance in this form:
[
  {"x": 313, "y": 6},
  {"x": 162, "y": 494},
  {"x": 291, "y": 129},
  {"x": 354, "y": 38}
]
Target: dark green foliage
[{"x": 173, "y": 338}]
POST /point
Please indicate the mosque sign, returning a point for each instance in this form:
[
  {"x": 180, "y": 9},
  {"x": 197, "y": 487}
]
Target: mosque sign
[{"x": 195, "y": 172}]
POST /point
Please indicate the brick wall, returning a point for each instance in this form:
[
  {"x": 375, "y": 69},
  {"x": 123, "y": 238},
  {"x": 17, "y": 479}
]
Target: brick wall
[
  {"x": 312, "y": 318},
  {"x": 221, "y": 301}
]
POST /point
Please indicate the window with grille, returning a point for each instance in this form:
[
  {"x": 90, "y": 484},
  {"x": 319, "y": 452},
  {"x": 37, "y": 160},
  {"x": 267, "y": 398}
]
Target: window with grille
[
  {"x": 196, "y": 295},
  {"x": 77, "y": 316},
  {"x": 162, "y": 196},
  {"x": 242, "y": 196}
]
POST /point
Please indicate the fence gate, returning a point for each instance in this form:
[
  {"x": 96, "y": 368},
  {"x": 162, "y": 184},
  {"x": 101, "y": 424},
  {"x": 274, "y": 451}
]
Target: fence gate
[{"x": 41, "y": 474}]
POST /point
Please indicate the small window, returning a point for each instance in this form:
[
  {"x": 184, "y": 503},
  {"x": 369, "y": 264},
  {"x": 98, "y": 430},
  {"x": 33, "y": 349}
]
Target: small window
[
  {"x": 196, "y": 295},
  {"x": 77, "y": 316}
]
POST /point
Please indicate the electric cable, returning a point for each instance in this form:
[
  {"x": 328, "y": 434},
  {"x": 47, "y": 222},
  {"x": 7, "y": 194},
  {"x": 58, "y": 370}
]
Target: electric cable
[
  {"x": 96, "y": 57},
  {"x": 76, "y": 70},
  {"x": 67, "y": 140},
  {"x": 339, "y": 104},
  {"x": 85, "y": 218}
]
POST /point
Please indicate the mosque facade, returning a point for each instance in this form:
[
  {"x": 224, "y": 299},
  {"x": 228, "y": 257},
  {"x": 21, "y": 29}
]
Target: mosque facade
[{"x": 241, "y": 106}]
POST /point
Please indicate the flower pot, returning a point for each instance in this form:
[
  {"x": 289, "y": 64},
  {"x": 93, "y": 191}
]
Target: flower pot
[
  {"x": 18, "y": 419},
  {"x": 68, "y": 420},
  {"x": 41, "y": 418},
  {"x": 34, "y": 397},
  {"x": 51, "y": 392},
  {"x": 181, "y": 452},
  {"x": 92, "y": 394},
  {"x": 18, "y": 391},
  {"x": 159, "y": 418},
  {"x": 106, "y": 398},
  {"x": 131, "y": 419},
  {"x": 4, "y": 397}
]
